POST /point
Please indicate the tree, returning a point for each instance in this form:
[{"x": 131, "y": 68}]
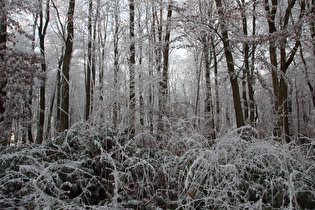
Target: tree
[
  {"x": 89, "y": 65},
  {"x": 116, "y": 63},
  {"x": 279, "y": 68},
  {"x": 65, "y": 95},
  {"x": 230, "y": 64},
  {"x": 18, "y": 72},
  {"x": 3, "y": 43},
  {"x": 164, "y": 90},
  {"x": 42, "y": 28},
  {"x": 132, "y": 62}
]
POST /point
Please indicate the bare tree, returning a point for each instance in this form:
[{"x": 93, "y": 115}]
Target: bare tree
[
  {"x": 42, "y": 28},
  {"x": 278, "y": 71},
  {"x": 88, "y": 71},
  {"x": 65, "y": 96},
  {"x": 3, "y": 44},
  {"x": 132, "y": 62},
  {"x": 230, "y": 65}
]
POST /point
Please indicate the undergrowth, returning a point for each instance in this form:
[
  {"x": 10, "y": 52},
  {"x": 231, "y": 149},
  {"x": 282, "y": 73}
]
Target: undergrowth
[{"x": 91, "y": 167}]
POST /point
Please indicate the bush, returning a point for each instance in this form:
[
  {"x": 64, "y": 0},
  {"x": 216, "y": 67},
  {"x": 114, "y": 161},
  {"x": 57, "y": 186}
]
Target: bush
[{"x": 97, "y": 167}]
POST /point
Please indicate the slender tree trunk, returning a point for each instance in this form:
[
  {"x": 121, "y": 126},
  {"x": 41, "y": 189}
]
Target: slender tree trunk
[
  {"x": 132, "y": 62},
  {"x": 55, "y": 94},
  {"x": 198, "y": 75},
  {"x": 152, "y": 58},
  {"x": 50, "y": 112},
  {"x": 249, "y": 105},
  {"x": 141, "y": 89},
  {"x": 93, "y": 65},
  {"x": 216, "y": 85},
  {"x": 244, "y": 96},
  {"x": 231, "y": 70},
  {"x": 208, "y": 102},
  {"x": 89, "y": 65},
  {"x": 309, "y": 84},
  {"x": 58, "y": 92},
  {"x": 3, "y": 45},
  {"x": 280, "y": 87},
  {"x": 42, "y": 33},
  {"x": 65, "y": 96},
  {"x": 273, "y": 59},
  {"x": 166, "y": 50},
  {"x": 116, "y": 66},
  {"x": 250, "y": 74},
  {"x": 158, "y": 62}
]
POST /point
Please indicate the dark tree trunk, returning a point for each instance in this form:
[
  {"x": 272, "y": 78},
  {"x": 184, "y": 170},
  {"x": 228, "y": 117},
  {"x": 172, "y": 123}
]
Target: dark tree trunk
[
  {"x": 249, "y": 105},
  {"x": 65, "y": 96},
  {"x": 132, "y": 62},
  {"x": 42, "y": 33},
  {"x": 208, "y": 102},
  {"x": 250, "y": 74},
  {"x": 280, "y": 86},
  {"x": 3, "y": 46},
  {"x": 231, "y": 70},
  {"x": 216, "y": 85},
  {"x": 89, "y": 66},
  {"x": 116, "y": 67},
  {"x": 58, "y": 91},
  {"x": 166, "y": 49},
  {"x": 55, "y": 94}
]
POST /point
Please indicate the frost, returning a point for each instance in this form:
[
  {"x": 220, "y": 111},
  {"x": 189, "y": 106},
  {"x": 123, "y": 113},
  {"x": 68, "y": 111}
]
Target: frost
[{"x": 81, "y": 170}]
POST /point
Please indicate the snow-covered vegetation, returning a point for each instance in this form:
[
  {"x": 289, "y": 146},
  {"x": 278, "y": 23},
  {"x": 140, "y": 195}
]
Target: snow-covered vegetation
[
  {"x": 157, "y": 104},
  {"x": 100, "y": 168}
]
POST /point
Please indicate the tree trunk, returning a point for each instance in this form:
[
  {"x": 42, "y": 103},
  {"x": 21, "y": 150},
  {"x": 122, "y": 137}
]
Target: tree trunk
[
  {"x": 250, "y": 74},
  {"x": 166, "y": 47},
  {"x": 158, "y": 63},
  {"x": 58, "y": 92},
  {"x": 42, "y": 33},
  {"x": 64, "y": 116},
  {"x": 116, "y": 66},
  {"x": 280, "y": 87},
  {"x": 132, "y": 62},
  {"x": 216, "y": 86},
  {"x": 231, "y": 70},
  {"x": 208, "y": 101},
  {"x": 309, "y": 84},
  {"x": 3, "y": 46},
  {"x": 89, "y": 66},
  {"x": 55, "y": 94}
]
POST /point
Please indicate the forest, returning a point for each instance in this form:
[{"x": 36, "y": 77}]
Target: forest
[{"x": 157, "y": 104}]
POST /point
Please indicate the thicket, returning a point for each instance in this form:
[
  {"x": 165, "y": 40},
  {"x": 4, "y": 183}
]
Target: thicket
[{"x": 91, "y": 167}]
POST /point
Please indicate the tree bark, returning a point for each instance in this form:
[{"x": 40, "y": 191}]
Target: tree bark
[
  {"x": 132, "y": 62},
  {"x": 249, "y": 105},
  {"x": 64, "y": 116},
  {"x": 208, "y": 101},
  {"x": 230, "y": 65},
  {"x": 216, "y": 86},
  {"x": 250, "y": 73},
  {"x": 116, "y": 66},
  {"x": 280, "y": 85},
  {"x": 166, "y": 50},
  {"x": 42, "y": 33},
  {"x": 3, "y": 46},
  {"x": 89, "y": 65}
]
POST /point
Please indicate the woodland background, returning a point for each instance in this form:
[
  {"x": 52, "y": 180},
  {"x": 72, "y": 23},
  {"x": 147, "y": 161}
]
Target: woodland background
[{"x": 152, "y": 103}]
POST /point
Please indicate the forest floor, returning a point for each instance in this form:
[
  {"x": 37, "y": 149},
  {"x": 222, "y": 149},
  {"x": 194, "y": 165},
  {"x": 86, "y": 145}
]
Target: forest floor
[{"x": 100, "y": 168}]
